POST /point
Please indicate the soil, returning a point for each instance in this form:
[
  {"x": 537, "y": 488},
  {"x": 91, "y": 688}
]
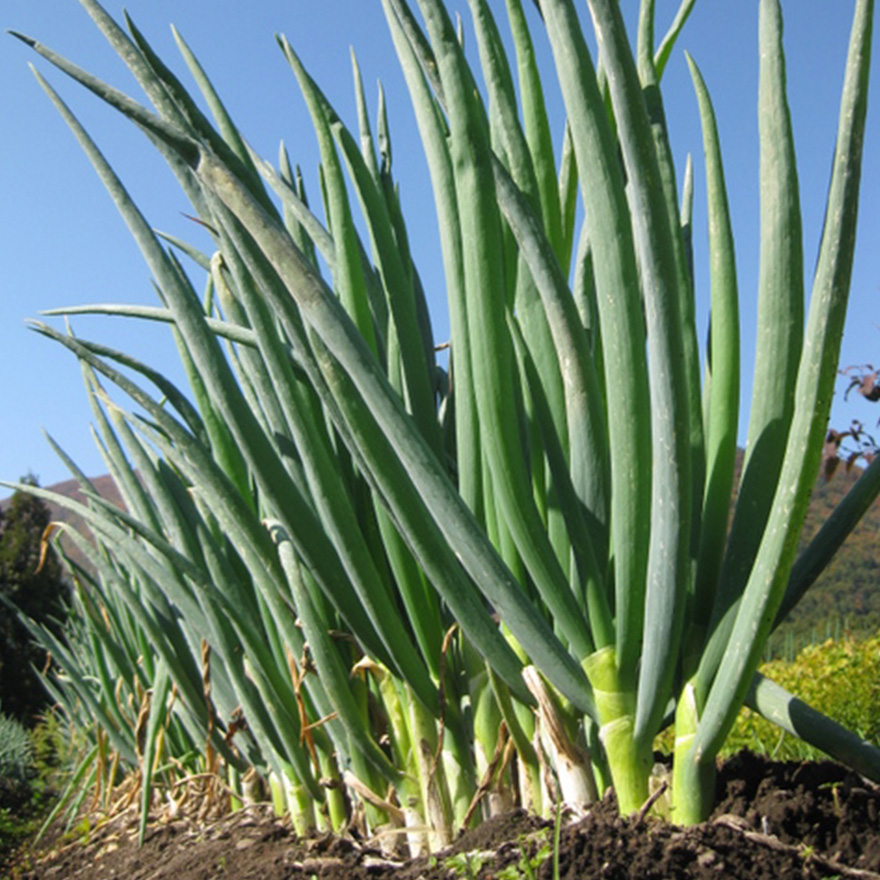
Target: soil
[{"x": 773, "y": 821}]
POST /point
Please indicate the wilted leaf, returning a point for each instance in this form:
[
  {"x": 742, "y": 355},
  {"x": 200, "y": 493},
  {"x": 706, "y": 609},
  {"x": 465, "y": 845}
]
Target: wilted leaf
[
  {"x": 869, "y": 388},
  {"x": 830, "y": 457}
]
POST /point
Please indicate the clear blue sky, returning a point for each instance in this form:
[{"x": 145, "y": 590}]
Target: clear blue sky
[{"x": 62, "y": 242}]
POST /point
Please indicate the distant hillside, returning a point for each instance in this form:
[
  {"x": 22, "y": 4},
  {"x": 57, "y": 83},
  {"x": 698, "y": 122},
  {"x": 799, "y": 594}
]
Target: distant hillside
[
  {"x": 846, "y": 595},
  {"x": 849, "y": 589}
]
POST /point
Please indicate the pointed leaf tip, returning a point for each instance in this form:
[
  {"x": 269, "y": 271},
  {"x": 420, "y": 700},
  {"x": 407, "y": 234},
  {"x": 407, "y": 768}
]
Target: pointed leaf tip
[{"x": 29, "y": 41}]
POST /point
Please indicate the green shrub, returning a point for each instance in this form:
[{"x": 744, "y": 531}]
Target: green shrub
[
  {"x": 16, "y": 762},
  {"x": 817, "y": 675},
  {"x": 33, "y": 764},
  {"x": 35, "y": 587}
]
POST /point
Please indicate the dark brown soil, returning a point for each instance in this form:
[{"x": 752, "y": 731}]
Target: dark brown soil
[{"x": 773, "y": 821}]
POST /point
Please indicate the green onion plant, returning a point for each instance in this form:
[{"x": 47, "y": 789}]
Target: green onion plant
[{"x": 405, "y": 592}]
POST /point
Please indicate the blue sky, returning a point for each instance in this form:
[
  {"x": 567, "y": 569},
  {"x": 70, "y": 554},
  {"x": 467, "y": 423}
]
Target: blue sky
[{"x": 63, "y": 243}]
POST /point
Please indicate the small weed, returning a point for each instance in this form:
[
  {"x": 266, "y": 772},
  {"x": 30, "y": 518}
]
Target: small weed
[
  {"x": 467, "y": 864},
  {"x": 81, "y": 831},
  {"x": 835, "y": 795},
  {"x": 527, "y": 865}
]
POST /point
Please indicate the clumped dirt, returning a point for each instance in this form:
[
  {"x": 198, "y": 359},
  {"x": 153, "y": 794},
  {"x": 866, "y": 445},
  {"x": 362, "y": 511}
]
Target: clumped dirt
[{"x": 773, "y": 821}]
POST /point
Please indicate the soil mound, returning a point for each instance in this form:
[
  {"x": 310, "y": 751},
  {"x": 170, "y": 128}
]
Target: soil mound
[{"x": 774, "y": 821}]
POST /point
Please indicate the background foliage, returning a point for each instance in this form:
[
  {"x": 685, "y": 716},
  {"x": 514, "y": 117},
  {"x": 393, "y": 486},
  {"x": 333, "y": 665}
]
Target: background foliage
[
  {"x": 840, "y": 677},
  {"x": 38, "y": 591}
]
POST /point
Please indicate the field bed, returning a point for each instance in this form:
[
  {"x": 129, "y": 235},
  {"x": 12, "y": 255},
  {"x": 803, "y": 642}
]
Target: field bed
[{"x": 773, "y": 820}]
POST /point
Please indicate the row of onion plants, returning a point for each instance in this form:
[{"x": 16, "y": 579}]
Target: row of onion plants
[{"x": 406, "y": 594}]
